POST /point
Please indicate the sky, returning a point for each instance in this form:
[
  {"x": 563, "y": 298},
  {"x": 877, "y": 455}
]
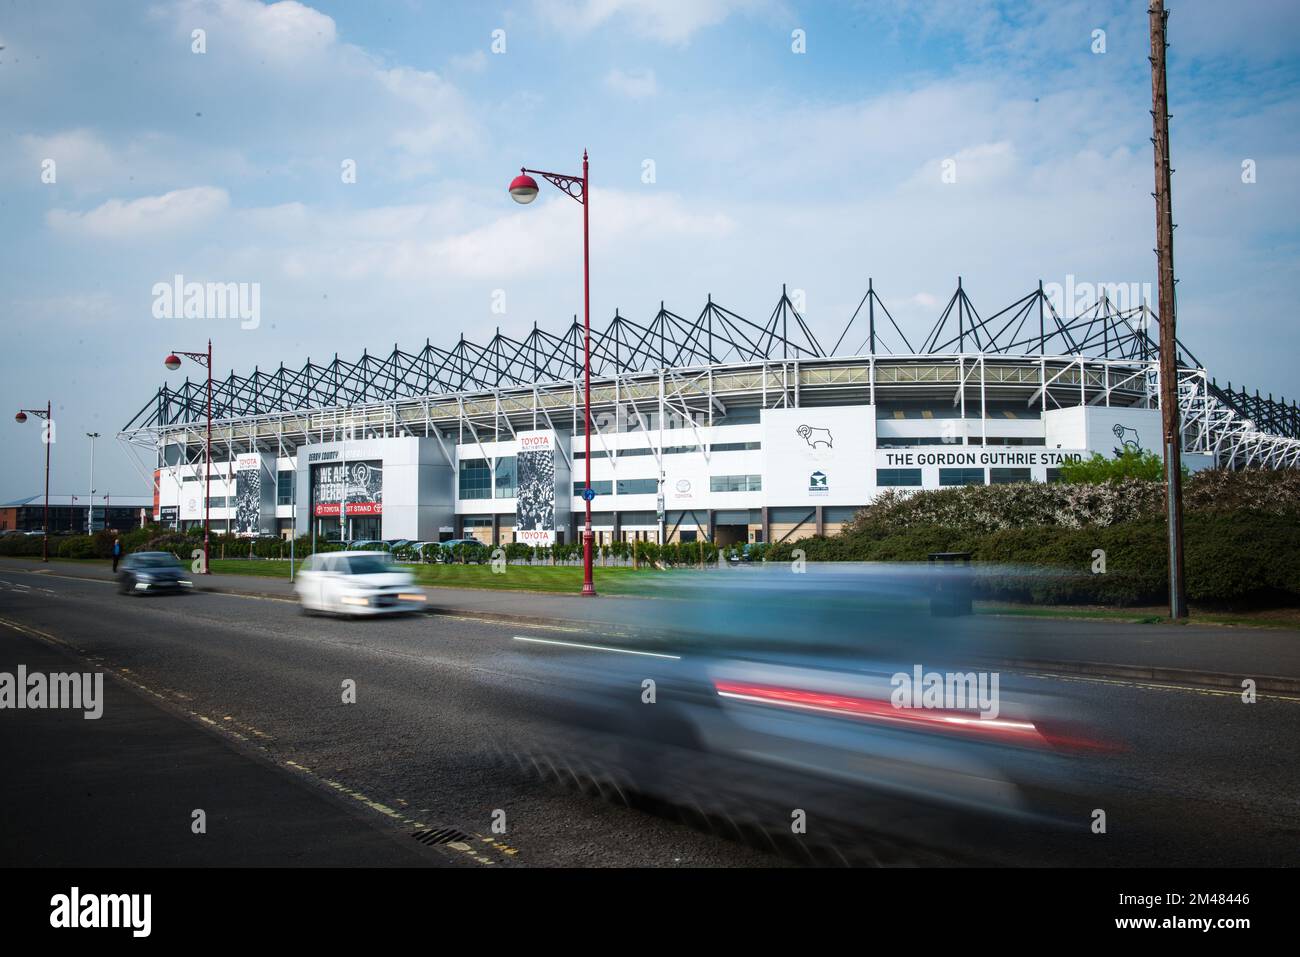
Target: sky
[{"x": 349, "y": 163}]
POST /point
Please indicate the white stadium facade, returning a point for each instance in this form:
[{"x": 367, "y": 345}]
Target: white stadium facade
[{"x": 714, "y": 428}]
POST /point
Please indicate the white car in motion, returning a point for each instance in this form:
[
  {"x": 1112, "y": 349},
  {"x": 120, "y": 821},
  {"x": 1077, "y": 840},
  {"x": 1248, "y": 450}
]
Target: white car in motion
[{"x": 356, "y": 583}]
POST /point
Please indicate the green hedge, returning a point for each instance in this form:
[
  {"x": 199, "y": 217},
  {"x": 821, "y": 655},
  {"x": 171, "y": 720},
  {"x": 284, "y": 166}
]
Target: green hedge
[
  {"x": 1231, "y": 557},
  {"x": 24, "y": 546},
  {"x": 988, "y": 508}
]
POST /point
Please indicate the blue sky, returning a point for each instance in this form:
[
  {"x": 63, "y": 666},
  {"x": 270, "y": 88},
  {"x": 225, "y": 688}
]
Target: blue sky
[{"x": 817, "y": 169}]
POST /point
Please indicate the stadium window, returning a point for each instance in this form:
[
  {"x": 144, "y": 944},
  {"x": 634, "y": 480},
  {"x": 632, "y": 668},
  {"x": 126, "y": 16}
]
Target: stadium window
[
  {"x": 505, "y": 480},
  {"x": 1009, "y": 476},
  {"x": 1014, "y": 440},
  {"x": 949, "y": 477},
  {"x": 735, "y": 446},
  {"x": 898, "y": 478},
  {"x": 638, "y": 486},
  {"x": 284, "y": 488},
  {"x": 910, "y": 441},
  {"x": 1053, "y": 475},
  {"x": 735, "y": 483},
  {"x": 601, "y": 487},
  {"x": 475, "y": 479}
]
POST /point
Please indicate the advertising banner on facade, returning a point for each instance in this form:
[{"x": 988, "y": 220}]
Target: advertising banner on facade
[
  {"x": 819, "y": 455},
  {"x": 248, "y": 494},
  {"x": 535, "y": 497},
  {"x": 357, "y": 487}
]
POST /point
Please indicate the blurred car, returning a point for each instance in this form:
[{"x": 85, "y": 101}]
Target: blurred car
[
  {"x": 357, "y": 583},
  {"x": 768, "y": 690},
  {"x": 146, "y": 573}
]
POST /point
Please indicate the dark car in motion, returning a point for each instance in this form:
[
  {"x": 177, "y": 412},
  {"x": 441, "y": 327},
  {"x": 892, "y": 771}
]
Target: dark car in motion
[
  {"x": 764, "y": 693},
  {"x": 144, "y": 573}
]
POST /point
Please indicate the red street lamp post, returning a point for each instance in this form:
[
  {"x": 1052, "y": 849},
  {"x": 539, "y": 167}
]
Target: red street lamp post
[
  {"x": 523, "y": 189},
  {"x": 173, "y": 362},
  {"x": 20, "y": 418}
]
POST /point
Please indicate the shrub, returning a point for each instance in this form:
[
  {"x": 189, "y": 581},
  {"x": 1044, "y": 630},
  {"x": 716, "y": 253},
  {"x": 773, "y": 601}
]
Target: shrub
[
  {"x": 518, "y": 551},
  {"x": 1129, "y": 464},
  {"x": 23, "y": 546},
  {"x": 1229, "y": 557},
  {"x": 987, "y": 508},
  {"x": 466, "y": 552}
]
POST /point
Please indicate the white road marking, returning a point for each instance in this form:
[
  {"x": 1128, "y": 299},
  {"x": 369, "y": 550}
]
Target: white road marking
[{"x": 574, "y": 644}]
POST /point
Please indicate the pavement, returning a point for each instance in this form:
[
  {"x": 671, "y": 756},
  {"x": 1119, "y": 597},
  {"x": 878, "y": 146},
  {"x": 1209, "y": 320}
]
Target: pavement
[{"x": 1204, "y": 655}]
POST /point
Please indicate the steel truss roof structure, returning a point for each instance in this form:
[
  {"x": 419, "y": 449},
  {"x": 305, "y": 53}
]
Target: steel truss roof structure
[{"x": 1025, "y": 352}]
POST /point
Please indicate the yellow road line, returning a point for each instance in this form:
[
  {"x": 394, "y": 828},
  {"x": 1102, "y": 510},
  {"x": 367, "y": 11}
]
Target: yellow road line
[{"x": 1152, "y": 686}]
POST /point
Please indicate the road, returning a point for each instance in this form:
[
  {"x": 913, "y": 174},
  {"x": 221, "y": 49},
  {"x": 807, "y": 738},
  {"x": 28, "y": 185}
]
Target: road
[{"x": 1204, "y": 779}]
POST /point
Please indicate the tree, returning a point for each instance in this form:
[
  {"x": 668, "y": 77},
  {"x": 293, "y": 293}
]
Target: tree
[{"x": 1131, "y": 463}]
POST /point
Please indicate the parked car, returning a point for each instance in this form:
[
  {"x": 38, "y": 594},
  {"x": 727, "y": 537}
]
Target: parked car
[
  {"x": 741, "y": 553},
  {"x": 368, "y": 545},
  {"x": 469, "y": 549},
  {"x": 356, "y": 583},
  {"x": 146, "y": 573},
  {"x": 417, "y": 552}
]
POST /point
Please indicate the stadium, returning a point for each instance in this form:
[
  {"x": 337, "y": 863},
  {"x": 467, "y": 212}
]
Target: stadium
[{"x": 716, "y": 427}]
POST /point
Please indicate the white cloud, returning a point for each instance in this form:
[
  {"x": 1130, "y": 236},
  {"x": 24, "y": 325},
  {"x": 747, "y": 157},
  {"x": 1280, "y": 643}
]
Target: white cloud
[
  {"x": 285, "y": 33},
  {"x": 419, "y": 243},
  {"x": 87, "y": 163},
  {"x": 79, "y": 155},
  {"x": 668, "y": 21},
  {"x": 403, "y": 116},
  {"x": 981, "y": 165},
  {"x": 475, "y": 62},
  {"x": 636, "y": 84},
  {"x": 149, "y": 216}
]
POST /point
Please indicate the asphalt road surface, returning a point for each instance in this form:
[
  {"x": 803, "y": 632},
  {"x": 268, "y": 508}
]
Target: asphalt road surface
[{"x": 1204, "y": 779}]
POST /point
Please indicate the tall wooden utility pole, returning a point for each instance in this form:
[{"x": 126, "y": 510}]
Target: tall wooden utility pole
[{"x": 1168, "y": 340}]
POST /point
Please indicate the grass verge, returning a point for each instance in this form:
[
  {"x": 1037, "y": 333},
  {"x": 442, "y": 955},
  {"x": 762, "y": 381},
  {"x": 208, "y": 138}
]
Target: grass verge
[{"x": 612, "y": 580}]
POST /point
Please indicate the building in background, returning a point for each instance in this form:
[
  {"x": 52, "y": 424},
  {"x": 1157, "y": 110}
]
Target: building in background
[
  {"x": 714, "y": 428},
  {"x": 68, "y": 513}
]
